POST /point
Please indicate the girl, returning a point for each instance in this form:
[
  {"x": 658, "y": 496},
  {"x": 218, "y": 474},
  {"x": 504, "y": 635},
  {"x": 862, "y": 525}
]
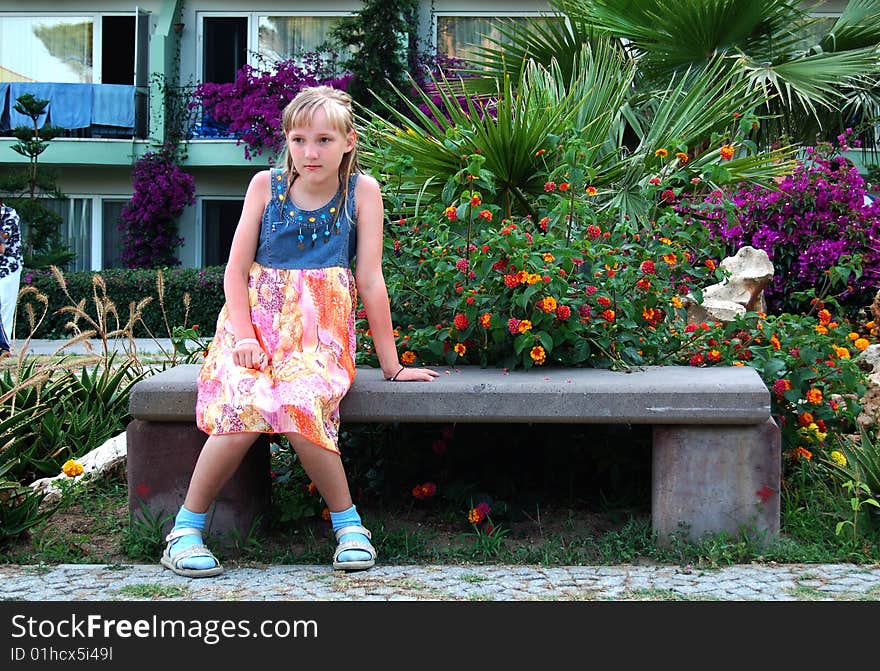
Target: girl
[{"x": 283, "y": 354}]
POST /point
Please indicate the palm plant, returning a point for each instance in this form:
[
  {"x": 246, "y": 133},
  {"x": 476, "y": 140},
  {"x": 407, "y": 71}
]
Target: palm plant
[
  {"x": 522, "y": 126},
  {"x": 812, "y": 78}
]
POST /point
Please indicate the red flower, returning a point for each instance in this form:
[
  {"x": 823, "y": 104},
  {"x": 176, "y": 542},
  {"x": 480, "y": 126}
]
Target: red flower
[
  {"x": 485, "y": 214},
  {"x": 604, "y": 301},
  {"x": 648, "y": 267},
  {"x": 668, "y": 195},
  {"x": 765, "y": 493},
  {"x": 593, "y": 231},
  {"x": 543, "y": 223},
  {"x": 564, "y": 186},
  {"x": 461, "y": 322},
  {"x": 513, "y": 325},
  {"x": 511, "y": 281},
  {"x": 696, "y": 360},
  {"x": 549, "y": 186},
  {"x": 563, "y": 312}
]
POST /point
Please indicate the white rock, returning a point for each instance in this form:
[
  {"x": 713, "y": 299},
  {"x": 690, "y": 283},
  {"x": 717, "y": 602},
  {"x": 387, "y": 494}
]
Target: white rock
[{"x": 96, "y": 462}]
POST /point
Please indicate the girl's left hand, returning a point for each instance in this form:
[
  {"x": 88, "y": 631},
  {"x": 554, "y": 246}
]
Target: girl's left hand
[{"x": 415, "y": 375}]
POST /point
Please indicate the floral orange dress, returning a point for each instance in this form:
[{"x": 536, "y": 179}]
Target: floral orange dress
[{"x": 302, "y": 298}]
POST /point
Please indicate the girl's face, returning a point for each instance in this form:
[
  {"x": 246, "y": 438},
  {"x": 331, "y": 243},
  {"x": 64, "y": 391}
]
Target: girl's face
[{"x": 317, "y": 150}]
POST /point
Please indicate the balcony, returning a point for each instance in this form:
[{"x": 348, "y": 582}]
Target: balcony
[{"x": 110, "y": 111}]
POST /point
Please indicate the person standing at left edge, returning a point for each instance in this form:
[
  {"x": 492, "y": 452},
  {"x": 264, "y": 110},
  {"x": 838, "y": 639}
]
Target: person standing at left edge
[{"x": 10, "y": 272}]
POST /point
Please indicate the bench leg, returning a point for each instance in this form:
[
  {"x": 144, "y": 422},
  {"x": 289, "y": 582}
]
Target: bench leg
[
  {"x": 160, "y": 461},
  {"x": 716, "y": 478}
]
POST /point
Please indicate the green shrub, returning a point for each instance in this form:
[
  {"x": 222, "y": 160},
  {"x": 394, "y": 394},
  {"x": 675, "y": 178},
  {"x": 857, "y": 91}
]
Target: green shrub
[{"x": 124, "y": 287}]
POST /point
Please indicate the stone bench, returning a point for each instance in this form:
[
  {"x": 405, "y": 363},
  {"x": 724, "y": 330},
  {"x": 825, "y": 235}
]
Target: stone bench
[{"x": 716, "y": 450}]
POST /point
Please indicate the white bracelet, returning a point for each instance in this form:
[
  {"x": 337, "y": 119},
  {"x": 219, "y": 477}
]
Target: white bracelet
[{"x": 246, "y": 341}]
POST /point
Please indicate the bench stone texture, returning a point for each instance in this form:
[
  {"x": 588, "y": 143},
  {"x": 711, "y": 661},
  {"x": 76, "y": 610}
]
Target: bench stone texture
[{"x": 716, "y": 451}]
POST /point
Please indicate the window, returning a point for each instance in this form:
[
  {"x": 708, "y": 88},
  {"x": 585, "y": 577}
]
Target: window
[
  {"x": 456, "y": 35},
  {"x": 228, "y": 41},
  {"x": 46, "y": 49},
  {"x": 281, "y": 37},
  {"x": 225, "y": 47},
  {"x": 219, "y": 219},
  {"x": 111, "y": 237}
]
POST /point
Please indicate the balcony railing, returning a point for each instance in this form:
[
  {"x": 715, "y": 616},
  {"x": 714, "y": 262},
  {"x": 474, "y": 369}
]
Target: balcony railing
[{"x": 85, "y": 110}]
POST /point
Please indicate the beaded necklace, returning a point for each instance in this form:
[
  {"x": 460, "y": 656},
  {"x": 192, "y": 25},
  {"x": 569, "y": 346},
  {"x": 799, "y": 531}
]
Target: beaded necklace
[{"x": 292, "y": 213}]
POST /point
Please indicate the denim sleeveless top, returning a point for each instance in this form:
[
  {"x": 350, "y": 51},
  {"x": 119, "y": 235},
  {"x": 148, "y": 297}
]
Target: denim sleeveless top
[{"x": 294, "y": 238}]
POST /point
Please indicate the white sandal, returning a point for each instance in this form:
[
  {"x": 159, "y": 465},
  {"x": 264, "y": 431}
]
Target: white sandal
[
  {"x": 364, "y": 546},
  {"x": 199, "y": 550}
]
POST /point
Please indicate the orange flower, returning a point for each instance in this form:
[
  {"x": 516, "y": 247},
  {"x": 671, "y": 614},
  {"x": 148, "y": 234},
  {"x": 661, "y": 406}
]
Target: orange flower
[
  {"x": 475, "y": 516},
  {"x": 524, "y": 325},
  {"x": 485, "y": 320},
  {"x": 548, "y": 258},
  {"x": 861, "y": 344},
  {"x": 539, "y": 356},
  {"x": 312, "y": 488},
  {"x": 450, "y": 213},
  {"x": 824, "y": 316},
  {"x": 325, "y": 514},
  {"x": 608, "y": 315},
  {"x": 547, "y": 304},
  {"x": 727, "y": 152},
  {"x": 821, "y": 330},
  {"x": 814, "y": 396},
  {"x": 460, "y": 349},
  {"x": 662, "y": 153},
  {"x": 802, "y": 452},
  {"x": 670, "y": 259},
  {"x": 408, "y": 358},
  {"x": 592, "y": 191},
  {"x": 681, "y": 156},
  {"x": 72, "y": 468},
  {"x": 775, "y": 342},
  {"x": 485, "y": 214}
]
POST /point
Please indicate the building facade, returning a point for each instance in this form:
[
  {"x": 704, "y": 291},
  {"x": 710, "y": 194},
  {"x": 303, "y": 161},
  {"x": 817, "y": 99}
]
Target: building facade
[{"x": 103, "y": 65}]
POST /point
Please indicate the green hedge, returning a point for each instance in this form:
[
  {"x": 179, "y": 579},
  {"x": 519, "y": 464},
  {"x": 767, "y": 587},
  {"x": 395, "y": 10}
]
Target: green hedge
[{"x": 204, "y": 285}]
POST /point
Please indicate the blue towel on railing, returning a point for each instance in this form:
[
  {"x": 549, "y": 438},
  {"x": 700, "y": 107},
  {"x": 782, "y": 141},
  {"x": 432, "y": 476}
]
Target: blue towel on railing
[
  {"x": 113, "y": 105},
  {"x": 4, "y": 109},
  {"x": 39, "y": 91},
  {"x": 71, "y": 106}
]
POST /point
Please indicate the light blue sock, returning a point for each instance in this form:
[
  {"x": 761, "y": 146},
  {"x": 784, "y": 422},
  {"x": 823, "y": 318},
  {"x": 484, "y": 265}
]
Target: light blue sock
[
  {"x": 188, "y": 519},
  {"x": 348, "y": 518}
]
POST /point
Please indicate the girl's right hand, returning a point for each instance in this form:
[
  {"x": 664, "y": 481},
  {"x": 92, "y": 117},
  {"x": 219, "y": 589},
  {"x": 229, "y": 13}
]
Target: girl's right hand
[{"x": 249, "y": 354}]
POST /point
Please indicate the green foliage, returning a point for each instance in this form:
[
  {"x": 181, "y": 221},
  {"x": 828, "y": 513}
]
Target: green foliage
[
  {"x": 384, "y": 37},
  {"x": 536, "y": 125},
  {"x": 42, "y": 245},
  {"x": 189, "y": 296},
  {"x": 294, "y": 498}
]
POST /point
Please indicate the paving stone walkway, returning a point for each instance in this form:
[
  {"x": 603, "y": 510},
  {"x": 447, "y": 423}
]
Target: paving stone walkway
[{"x": 754, "y": 582}]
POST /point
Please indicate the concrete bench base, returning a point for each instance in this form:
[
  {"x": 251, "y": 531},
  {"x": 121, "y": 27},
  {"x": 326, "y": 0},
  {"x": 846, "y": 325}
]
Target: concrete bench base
[
  {"x": 161, "y": 459},
  {"x": 716, "y": 451}
]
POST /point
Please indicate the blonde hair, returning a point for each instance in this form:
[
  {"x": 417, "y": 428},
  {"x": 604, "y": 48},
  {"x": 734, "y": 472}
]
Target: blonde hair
[{"x": 300, "y": 112}]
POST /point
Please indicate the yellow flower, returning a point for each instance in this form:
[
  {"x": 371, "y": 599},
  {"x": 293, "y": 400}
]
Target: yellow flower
[
  {"x": 549, "y": 258},
  {"x": 72, "y": 468},
  {"x": 821, "y": 330},
  {"x": 676, "y": 301},
  {"x": 838, "y": 458},
  {"x": 861, "y": 344}
]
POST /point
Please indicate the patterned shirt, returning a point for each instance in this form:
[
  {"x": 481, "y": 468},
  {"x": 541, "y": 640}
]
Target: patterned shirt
[{"x": 10, "y": 235}]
